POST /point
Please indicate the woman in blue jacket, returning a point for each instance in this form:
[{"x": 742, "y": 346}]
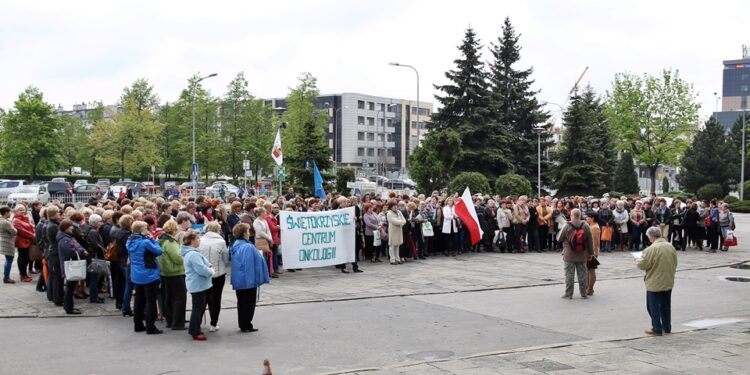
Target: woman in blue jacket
[
  {"x": 145, "y": 276},
  {"x": 198, "y": 274},
  {"x": 249, "y": 272}
]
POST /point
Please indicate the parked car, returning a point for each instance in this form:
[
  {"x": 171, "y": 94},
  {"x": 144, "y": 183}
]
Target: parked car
[
  {"x": 79, "y": 182},
  {"x": 86, "y": 189},
  {"x": 37, "y": 182},
  {"x": 103, "y": 182},
  {"x": 123, "y": 185},
  {"x": 378, "y": 179},
  {"x": 214, "y": 190},
  {"x": 150, "y": 187},
  {"x": 56, "y": 187},
  {"x": 189, "y": 185},
  {"x": 169, "y": 184},
  {"x": 398, "y": 185},
  {"x": 29, "y": 193},
  {"x": 59, "y": 179},
  {"x": 10, "y": 186}
]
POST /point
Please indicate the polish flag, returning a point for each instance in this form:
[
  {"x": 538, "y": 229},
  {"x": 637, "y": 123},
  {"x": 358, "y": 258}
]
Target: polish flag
[{"x": 465, "y": 211}]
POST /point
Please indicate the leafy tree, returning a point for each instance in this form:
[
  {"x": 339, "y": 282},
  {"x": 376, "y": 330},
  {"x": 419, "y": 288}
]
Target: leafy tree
[
  {"x": 74, "y": 140},
  {"x": 652, "y": 117},
  {"x": 512, "y": 184},
  {"x": 87, "y": 153},
  {"x": 515, "y": 109},
  {"x": 475, "y": 181},
  {"x": 305, "y": 136},
  {"x": 625, "y": 179},
  {"x": 735, "y": 138},
  {"x": 465, "y": 110},
  {"x": 343, "y": 176},
  {"x": 30, "y": 136},
  {"x": 174, "y": 140},
  {"x": 700, "y": 164},
  {"x": 430, "y": 165},
  {"x": 581, "y": 169},
  {"x": 711, "y": 191},
  {"x": 141, "y": 94},
  {"x": 665, "y": 184}
]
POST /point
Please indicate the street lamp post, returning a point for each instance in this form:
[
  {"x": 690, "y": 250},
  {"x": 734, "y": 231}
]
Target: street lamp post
[
  {"x": 417, "y": 73},
  {"x": 194, "y": 167},
  {"x": 742, "y": 164},
  {"x": 539, "y": 131}
]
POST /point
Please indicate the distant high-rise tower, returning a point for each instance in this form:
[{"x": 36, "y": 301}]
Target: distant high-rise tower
[{"x": 735, "y": 89}]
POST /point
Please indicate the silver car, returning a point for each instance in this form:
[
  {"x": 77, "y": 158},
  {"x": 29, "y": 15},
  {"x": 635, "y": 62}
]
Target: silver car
[
  {"x": 10, "y": 186},
  {"x": 29, "y": 193}
]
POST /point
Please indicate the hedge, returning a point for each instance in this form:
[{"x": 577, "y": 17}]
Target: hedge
[
  {"x": 740, "y": 206},
  {"x": 476, "y": 182},
  {"x": 710, "y": 191},
  {"x": 512, "y": 185}
]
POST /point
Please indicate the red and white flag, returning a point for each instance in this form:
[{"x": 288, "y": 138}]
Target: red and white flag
[
  {"x": 276, "y": 153},
  {"x": 468, "y": 214}
]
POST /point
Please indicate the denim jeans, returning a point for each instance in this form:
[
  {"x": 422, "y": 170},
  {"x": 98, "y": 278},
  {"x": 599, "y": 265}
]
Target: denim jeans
[
  {"x": 659, "y": 306},
  {"x": 93, "y": 280},
  {"x": 128, "y": 293},
  {"x": 8, "y": 265},
  {"x": 276, "y": 257}
]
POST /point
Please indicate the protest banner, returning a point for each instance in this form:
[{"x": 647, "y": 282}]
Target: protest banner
[{"x": 317, "y": 239}]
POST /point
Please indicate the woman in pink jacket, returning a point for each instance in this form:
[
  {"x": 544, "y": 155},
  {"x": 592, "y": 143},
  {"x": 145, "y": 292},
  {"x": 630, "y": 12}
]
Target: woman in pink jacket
[{"x": 24, "y": 240}]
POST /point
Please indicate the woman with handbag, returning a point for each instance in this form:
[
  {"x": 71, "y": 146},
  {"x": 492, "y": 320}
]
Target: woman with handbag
[
  {"x": 198, "y": 274},
  {"x": 396, "y": 222},
  {"x": 145, "y": 276},
  {"x": 24, "y": 240},
  {"x": 7, "y": 242},
  {"x": 263, "y": 238},
  {"x": 214, "y": 248},
  {"x": 69, "y": 249},
  {"x": 372, "y": 225}
]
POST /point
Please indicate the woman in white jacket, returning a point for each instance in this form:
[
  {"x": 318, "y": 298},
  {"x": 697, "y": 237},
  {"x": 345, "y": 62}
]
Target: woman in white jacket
[
  {"x": 450, "y": 226},
  {"x": 214, "y": 248},
  {"x": 396, "y": 223},
  {"x": 504, "y": 216}
]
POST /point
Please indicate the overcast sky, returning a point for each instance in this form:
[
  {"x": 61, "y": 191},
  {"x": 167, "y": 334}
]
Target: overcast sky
[{"x": 77, "y": 51}]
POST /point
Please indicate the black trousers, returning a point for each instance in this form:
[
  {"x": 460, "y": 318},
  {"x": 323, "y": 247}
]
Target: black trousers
[
  {"x": 145, "y": 305},
  {"x": 543, "y": 237},
  {"x": 199, "y": 308},
  {"x": 118, "y": 284},
  {"x": 70, "y": 290},
  {"x": 55, "y": 281},
  {"x": 214, "y": 298},
  {"x": 246, "y": 307},
  {"x": 23, "y": 262},
  {"x": 175, "y": 300},
  {"x": 369, "y": 248}
]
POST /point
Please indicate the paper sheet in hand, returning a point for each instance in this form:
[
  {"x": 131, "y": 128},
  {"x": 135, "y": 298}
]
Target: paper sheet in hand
[{"x": 637, "y": 254}]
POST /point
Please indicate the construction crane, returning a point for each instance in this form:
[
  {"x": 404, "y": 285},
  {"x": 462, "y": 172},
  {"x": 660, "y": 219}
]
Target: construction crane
[{"x": 567, "y": 98}]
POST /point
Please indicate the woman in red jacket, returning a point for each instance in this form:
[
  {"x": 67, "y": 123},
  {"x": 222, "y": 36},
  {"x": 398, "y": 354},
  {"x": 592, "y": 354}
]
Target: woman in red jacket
[
  {"x": 24, "y": 240},
  {"x": 273, "y": 226}
]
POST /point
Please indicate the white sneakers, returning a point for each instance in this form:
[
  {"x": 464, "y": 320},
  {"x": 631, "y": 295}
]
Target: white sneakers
[{"x": 213, "y": 329}]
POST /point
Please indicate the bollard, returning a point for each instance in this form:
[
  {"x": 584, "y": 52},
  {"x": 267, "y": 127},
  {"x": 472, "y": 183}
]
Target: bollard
[{"x": 266, "y": 367}]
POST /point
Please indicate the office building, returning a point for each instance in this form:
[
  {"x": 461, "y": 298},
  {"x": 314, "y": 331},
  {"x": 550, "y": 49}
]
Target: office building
[
  {"x": 735, "y": 89},
  {"x": 84, "y": 111},
  {"x": 373, "y": 133}
]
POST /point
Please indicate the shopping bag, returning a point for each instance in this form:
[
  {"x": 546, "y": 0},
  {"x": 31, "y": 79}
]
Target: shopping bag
[
  {"x": 99, "y": 267},
  {"x": 376, "y": 241},
  {"x": 75, "y": 270},
  {"x": 607, "y": 233},
  {"x": 427, "y": 229},
  {"x": 730, "y": 235},
  {"x": 730, "y": 243}
]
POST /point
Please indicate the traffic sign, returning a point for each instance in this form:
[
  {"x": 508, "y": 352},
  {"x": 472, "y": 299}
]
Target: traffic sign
[
  {"x": 282, "y": 174},
  {"x": 194, "y": 173},
  {"x": 246, "y": 165}
]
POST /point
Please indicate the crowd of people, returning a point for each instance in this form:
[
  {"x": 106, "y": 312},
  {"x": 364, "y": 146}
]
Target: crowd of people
[{"x": 156, "y": 254}]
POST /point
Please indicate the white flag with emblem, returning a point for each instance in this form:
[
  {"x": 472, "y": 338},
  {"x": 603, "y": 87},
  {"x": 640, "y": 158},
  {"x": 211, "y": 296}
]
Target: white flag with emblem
[{"x": 276, "y": 153}]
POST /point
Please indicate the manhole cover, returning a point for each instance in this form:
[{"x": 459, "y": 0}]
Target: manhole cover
[
  {"x": 738, "y": 279},
  {"x": 431, "y": 355},
  {"x": 741, "y": 266}
]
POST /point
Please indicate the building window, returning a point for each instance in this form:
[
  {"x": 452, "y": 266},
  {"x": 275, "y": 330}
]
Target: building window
[
  {"x": 370, "y": 152},
  {"x": 390, "y": 152},
  {"x": 390, "y": 123},
  {"x": 380, "y": 137},
  {"x": 361, "y": 151},
  {"x": 422, "y": 111},
  {"x": 371, "y": 106},
  {"x": 370, "y": 137},
  {"x": 380, "y": 152},
  {"x": 382, "y": 122},
  {"x": 371, "y": 121},
  {"x": 360, "y": 104},
  {"x": 360, "y": 120},
  {"x": 390, "y": 137},
  {"x": 361, "y": 136},
  {"x": 743, "y": 88},
  {"x": 391, "y": 107},
  {"x": 743, "y": 77},
  {"x": 382, "y": 106}
]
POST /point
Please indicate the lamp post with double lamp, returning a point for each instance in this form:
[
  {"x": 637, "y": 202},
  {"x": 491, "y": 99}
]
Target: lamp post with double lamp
[
  {"x": 417, "y": 73},
  {"x": 194, "y": 168},
  {"x": 539, "y": 130}
]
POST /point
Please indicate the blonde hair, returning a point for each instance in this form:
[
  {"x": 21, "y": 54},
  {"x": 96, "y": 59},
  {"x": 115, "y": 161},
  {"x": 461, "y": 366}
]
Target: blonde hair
[
  {"x": 171, "y": 227},
  {"x": 126, "y": 221},
  {"x": 127, "y": 210},
  {"x": 212, "y": 226},
  {"x": 138, "y": 227}
]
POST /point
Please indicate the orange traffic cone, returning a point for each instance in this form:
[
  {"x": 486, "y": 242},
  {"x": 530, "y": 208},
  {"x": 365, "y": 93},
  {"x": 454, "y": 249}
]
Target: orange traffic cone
[{"x": 266, "y": 367}]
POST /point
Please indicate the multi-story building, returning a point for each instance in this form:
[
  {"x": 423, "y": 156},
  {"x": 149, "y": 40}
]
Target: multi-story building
[
  {"x": 371, "y": 132},
  {"x": 84, "y": 111},
  {"x": 735, "y": 89}
]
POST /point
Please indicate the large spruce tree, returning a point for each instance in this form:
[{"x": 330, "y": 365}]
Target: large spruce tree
[
  {"x": 465, "y": 110},
  {"x": 581, "y": 168},
  {"x": 702, "y": 163},
  {"x": 625, "y": 179},
  {"x": 514, "y": 107}
]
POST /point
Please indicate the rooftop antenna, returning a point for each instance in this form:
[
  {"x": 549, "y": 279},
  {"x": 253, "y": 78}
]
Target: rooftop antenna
[{"x": 745, "y": 51}]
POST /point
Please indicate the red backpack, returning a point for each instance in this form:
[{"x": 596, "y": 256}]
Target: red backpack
[{"x": 578, "y": 239}]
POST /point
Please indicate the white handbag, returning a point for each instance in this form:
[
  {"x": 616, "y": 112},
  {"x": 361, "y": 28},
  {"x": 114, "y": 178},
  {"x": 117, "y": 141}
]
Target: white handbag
[
  {"x": 75, "y": 270},
  {"x": 376, "y": 241},
  {"x": 427, "y": 229}
]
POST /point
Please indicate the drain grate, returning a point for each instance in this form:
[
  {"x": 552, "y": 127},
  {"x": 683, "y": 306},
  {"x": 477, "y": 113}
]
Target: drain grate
[
  {"x": 431, "y": 355},
  {"x": 738, "y": 279}
]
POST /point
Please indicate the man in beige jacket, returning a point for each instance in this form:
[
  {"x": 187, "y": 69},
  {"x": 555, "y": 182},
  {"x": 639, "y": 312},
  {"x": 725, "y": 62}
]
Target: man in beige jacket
[
  {"x": 660, "y": 263},
  {"x": 576, "y": 254}
]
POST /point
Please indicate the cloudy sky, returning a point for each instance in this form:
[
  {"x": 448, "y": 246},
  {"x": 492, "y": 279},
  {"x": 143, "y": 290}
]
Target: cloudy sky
[{"x": 78, "y": 51}]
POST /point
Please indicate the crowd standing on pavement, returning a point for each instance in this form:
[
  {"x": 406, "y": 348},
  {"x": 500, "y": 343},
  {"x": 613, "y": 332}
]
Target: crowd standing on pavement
[{"x": 155, "y": 253}]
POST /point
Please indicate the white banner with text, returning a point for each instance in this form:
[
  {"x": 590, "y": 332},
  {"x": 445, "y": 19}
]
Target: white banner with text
[{"x": 317, "y": 239}]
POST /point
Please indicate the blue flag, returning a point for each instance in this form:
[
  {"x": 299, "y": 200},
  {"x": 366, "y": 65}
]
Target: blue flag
[{"x": 319, "y": 191}]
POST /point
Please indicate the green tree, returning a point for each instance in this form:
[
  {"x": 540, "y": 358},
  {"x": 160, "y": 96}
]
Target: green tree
[
  {"x": 625, "y": 179},
  {"x": 430, "y": 165},
  {"x": 515, "y": 109},
  {"x": 580, "y": 168},
  {"x": 465, "y": 110},
  {"x": 344, "y": 176},
  {"x": 652, "y": 117},
  {"x": 665, "y": 184},
  {"x": 174, "y": 140},
  {"x": 304, "y": 139},
  {"x": 475, "y": 181},
  {"x": 30, "y": 136},
  {"x": 735, "y": 138},
  {"x": 700, "y": 164},
  {"x": 141, "y": 94},
  {"x": 74, "y": 140},
  {"x": 711, "y": 191},
  {"x": 512, "y": 184},
  {"x": 88, "y": 152}
]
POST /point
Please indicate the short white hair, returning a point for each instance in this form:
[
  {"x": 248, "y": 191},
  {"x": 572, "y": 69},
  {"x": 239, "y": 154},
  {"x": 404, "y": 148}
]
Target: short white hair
[
  {"x": 94, "y": 218},
  {"x": 654, "y": 232}
]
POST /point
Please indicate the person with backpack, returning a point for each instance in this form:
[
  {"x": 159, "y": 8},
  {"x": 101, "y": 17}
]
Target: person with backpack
[{"x": 578, "y": 248}]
